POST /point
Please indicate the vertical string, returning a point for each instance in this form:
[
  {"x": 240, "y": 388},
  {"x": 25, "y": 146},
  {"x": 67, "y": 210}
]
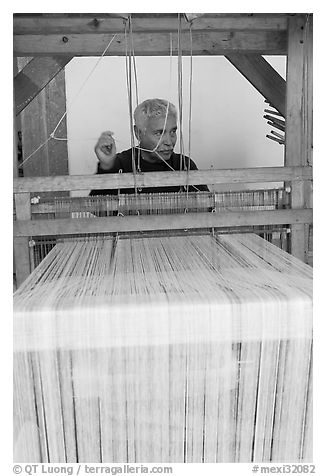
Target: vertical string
[
  {"x": 83, "y": 84},
  {"x": 52, "y": 135},
  {"x": 136, "y": 82},
  {"x": 190, "y": 108},
  {"x": 134, "y": 62},
  {"x": 182, "y": 164},
  {"x": 130, "y": 108}
]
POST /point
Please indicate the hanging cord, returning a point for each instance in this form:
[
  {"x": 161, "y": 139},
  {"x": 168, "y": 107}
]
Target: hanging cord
[
  {"x": 190, "y": 108},
  {"x": 128, "y": 55},
  {"x": 36, "y": 150},
  {"x": 128, "y": 76},
  {"x": 51, "y": 136},
  {"x": 134, "y": 61},
  {"x": 84, "y": 83},
  {"x": 183, "y": 165},
  {"x": 167, "y": 110},
  {"x": 180, "y": 98},
  {"x": 170, "y": 85},
  {"x": 168, "y": 103},
  {"x": 129, "y": 91},
  {"x": 130, "y": 105},
  {"x": 170, "y": 166},
  {"x": 135, "y": 80}
]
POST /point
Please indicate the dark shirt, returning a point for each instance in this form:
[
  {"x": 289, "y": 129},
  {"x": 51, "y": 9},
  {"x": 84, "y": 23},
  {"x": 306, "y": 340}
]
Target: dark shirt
[{"x": 123, "y": 163}]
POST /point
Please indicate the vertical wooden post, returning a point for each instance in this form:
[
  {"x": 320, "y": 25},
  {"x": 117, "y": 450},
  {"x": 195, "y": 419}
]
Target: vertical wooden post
[
  {"x": 298, "y": 118},
  {"x": 14, "y": 160},
  {"x": 15, "y": 151},
  {"x": 21, "y": 244},
  {"x": 38, "y": 120}
]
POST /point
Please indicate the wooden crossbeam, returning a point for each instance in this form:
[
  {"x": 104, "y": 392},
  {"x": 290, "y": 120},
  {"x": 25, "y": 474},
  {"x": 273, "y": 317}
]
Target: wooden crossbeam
[
  {"x": 149, "y": 44},
  {"x": 66, "y": 226},
  {"x": 263, "y": 77},
  {"x": 152, "y": 179},
  {"x": 34, "y": 77},
  {"x": 67, "y": 24}
]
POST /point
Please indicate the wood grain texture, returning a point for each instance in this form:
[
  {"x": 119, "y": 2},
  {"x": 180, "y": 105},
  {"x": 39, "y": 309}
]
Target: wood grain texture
[
  {"x": 298, "y": 131},
  {"x": 21, "y": 248},
  {"x": 155, "y": 222},
  {"x": 34, "y": 77},
  {"x": 38, "y": 121},
  {"x": 148, "y": 44},
  {"x": 150, "y": 179},
  {"x": 110, "y": 23},
  {"x": 263, "y": 77}
]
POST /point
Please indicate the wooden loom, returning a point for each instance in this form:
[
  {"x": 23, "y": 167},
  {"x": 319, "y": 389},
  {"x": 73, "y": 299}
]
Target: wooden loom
[{"x": 242, "y": 38}]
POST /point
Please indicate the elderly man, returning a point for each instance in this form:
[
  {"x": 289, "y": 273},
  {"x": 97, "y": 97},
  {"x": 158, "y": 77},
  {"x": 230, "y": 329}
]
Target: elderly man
[{"x": 156, "y": 130}]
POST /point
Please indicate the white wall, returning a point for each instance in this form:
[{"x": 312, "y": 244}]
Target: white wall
[{"x": 227, "y": 126}]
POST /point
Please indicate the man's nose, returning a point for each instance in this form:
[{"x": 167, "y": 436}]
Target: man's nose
[{"x": 167, "y": 139}]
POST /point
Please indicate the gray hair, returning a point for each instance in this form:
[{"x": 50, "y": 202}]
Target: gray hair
[{"x": 152, "y": 108}]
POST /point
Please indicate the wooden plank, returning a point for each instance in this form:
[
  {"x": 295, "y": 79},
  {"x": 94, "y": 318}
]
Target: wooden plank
[
  {"x": 160, "y": 222},
  {"x": 21, "y": 247},
  {"x": 295, "y": 92},
  {"x": 108, "y": 23},
  {"x": 15, "y": 145},
  {"x": 308, "y": 89},
  {"x": 22, "y": 206},
  {"x": 263, "y": 77},
  {"x": 152, "y": 179},
  {"x": 56, "y": 107},
  {"x": 34, "y": 77},
  {"x": 299, "y": 232},
  {"x": 19, "y": 64},
  {"x": 38, "y": 121},
  {"x": 298, "y": 134},
  {"x": 21, "y": 259},
  {"x": 15, "y": 175},
  {"x": 149, "y": 44}
]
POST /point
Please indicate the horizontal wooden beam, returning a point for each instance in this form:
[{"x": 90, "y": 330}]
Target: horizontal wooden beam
[
  {"x": 147, "y": 44},
  {"x": 66, "y": 226},
  {"x": 34, "y": 77},
  {"x": 152, "y": 179},
  {"x": 67, "y": 24},
  {"x": 263, "y": 77}
]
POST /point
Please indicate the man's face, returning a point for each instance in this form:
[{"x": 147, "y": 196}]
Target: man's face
[{"x": 156, "y": 135}]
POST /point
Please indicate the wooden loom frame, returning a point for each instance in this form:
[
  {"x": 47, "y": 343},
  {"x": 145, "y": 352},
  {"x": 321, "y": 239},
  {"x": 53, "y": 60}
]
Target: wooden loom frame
[{"x": 54, "y": 39}]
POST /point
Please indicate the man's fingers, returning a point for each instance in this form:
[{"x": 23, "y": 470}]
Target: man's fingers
[
  {"x": 106, "y": 138},
  {"x": 107, "y": 148},
  {"x": 107, "y": 134},
  {"x": 105, "y": 141}
]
